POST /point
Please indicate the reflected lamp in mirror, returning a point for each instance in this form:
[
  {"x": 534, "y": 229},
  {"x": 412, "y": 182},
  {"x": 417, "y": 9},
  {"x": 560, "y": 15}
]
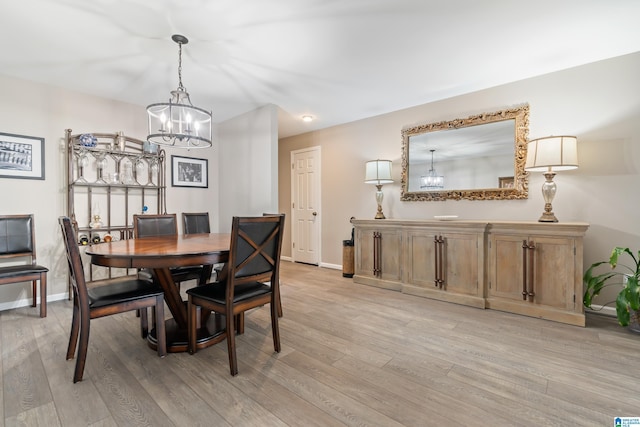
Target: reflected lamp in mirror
[
  {"x": 431, "y": 181},
  {"x": 550, "y": 154},
  {"x": 378, "y": 172}
]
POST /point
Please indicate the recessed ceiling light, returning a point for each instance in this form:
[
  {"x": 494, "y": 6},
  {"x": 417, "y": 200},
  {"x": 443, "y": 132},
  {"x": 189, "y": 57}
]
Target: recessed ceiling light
[{"x": 307, "y": 118}]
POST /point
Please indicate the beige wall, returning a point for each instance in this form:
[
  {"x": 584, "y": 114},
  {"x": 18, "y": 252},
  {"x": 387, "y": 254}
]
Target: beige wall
[
  {"x": 248, "y": 174},
  {"x": 599, "y": 103}
]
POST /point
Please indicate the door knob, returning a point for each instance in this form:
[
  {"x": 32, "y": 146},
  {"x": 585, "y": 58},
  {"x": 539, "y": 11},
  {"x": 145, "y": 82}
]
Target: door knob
[{"x": 315, "y": 214}]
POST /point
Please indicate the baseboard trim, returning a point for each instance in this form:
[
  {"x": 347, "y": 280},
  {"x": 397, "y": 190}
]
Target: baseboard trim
[
  {"x": 601, "y": 310},
  {"x": 26, "y": 302},
  {"x": 332, "y": 266}
]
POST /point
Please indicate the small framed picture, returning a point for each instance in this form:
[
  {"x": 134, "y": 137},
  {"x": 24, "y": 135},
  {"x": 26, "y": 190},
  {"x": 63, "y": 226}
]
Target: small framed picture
[
  {"x": 506, "y": 182},
  {"x": 21, "y": 156},
  {"x": 189, "y": 172}
]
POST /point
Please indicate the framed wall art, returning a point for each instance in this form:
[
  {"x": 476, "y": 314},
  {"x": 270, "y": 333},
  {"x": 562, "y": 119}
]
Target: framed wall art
[
  {"x": 189, "y": 172},
  {"x": 21, "y": 156}
]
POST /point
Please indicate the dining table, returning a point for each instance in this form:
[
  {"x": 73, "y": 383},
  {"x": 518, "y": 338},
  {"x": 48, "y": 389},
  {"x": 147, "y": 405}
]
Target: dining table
[{"x": 159, "y": 254}]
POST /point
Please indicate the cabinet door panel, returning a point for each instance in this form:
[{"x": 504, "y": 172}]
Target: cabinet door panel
[
  {"x": 461, "y": 263},
  {"x": 553, "y": 272},
  {"x": 390, "y": 255},
  {"x": 506, "y": 267},
  {"x": 389, "y": 258},
  {"x": 364, "y": 252},
  {"x": 421, "y": 260}
]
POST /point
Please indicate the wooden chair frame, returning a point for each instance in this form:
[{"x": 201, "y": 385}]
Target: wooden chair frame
[
  {"x": 106, "y": 297},
  {"x": 251, "y": 264},
  {"x": 18, "y": 240}
]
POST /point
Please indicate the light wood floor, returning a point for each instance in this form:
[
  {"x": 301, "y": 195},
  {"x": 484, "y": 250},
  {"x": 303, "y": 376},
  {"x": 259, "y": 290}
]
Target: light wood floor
[{"x": 351, "y": 355}]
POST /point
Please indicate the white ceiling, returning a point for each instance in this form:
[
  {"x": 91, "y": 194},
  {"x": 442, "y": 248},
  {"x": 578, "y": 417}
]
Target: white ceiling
[{"x": 337, "y": 60}]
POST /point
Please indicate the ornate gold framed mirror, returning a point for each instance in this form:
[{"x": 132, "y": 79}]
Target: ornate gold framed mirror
[{"x": 480, "y": 157}]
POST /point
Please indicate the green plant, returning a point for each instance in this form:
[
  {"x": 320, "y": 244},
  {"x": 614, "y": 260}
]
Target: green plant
[{"x": 626, "y": 276}]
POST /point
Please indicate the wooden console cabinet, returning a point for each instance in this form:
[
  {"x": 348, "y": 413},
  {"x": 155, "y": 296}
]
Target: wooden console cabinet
[{"x": 527, "y": 268}]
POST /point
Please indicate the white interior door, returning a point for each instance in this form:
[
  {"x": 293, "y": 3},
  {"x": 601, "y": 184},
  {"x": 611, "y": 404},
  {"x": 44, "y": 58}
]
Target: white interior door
[{"x": 305, "y": 205}]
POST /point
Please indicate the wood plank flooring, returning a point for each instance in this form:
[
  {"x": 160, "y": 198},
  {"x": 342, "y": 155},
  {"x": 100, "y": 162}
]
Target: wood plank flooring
[{"x": 352, "y": 355}]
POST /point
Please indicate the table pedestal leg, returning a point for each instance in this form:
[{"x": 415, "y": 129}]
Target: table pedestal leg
[{"x": 209, "y": 334}]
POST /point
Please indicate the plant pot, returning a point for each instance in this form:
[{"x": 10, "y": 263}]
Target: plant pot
[{"x": 634, "y": 322}]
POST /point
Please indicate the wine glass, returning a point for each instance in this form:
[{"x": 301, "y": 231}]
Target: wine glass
[
  {"x": 139, "y": 170},
  {"x": 101, "y": 164},
  {"x": 83, "y": 162},
  {"x": 153, "y": 170}
]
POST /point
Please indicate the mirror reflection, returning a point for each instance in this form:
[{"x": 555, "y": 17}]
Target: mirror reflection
[{"x": 480, "y": 157}]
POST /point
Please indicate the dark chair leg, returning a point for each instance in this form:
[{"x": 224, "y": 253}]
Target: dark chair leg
[
  {"x": 83, "y": 346},
  {"x": 239, "y": 323},
  {"x": 43, "y": 295},
  {"x": 275, "y": 328},
  {"x": 144, "y": 322},
  {"x": 192, "y": 315},
  {"x": 75, "y": 328},
  {"x": 161, "y": 333},
  {"x": 279, "y": 303},
  {"x": 33, "y": 290},
  {"x": 231, "y": 343}
]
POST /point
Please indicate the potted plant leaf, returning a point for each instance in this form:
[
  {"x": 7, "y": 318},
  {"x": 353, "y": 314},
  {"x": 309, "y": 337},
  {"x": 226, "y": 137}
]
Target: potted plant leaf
[{"x": 626, "y": 277}]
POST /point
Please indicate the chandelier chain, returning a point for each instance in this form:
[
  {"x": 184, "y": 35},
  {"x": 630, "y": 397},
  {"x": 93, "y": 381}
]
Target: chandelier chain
[{"x": 180, "y": 86}]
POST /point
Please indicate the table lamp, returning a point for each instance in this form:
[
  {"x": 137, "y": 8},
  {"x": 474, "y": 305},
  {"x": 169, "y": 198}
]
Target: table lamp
[
  {"x": 378, "y": 172},
  {"x": 549, "y": 154}
]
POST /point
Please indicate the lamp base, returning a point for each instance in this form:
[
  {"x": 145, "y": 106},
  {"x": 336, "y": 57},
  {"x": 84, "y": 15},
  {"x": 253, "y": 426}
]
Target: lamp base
[
  {"x": 548, "y": 217},
  {"x": 548, "y": 193},
  {"x": 379, "y": 197}
]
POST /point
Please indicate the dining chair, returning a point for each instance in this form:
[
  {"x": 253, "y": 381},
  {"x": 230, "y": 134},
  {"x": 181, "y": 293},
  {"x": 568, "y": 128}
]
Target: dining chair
[
  {"x": 104, "y": 298},
  {"x": 166, "y": 225},
  {"x": 18, "y": 242},
  {"x": 254, "y": 259},
  {"x": 195, "y": 222}
]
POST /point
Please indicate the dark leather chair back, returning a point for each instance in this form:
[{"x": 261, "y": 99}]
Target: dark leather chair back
[
  {"x": 256, "y": 243},
  {"x": 17, "y": 236},
  {"x": 154, "y": 225},
  {"x": 194, "y": 223}
]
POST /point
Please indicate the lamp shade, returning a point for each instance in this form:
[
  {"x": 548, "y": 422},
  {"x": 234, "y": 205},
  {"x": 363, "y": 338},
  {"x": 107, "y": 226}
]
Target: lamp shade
[
  {"x": 552, "y": 153},
  {"x": 378, "y": 172}
]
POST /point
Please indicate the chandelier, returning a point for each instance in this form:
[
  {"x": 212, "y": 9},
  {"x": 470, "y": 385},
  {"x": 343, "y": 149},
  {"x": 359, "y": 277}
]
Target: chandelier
[
  {"x": 431, "y": 181},
  {"x": 178, "y": 123}
]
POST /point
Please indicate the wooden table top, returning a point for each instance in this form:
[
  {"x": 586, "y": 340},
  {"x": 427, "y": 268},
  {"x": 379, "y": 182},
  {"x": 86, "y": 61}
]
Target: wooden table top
[{"x": 162, "y": 251}]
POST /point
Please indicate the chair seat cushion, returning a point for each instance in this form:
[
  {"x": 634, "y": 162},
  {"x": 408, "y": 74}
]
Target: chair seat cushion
[
  {"x": 121, "y": 289},
  {"x": 216, "y": 291},
  {"x": 21, "y": 270}
]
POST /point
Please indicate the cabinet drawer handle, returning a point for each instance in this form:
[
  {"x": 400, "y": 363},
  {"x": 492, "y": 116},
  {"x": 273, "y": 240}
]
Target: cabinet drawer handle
[
  {"x": 376, "y": 253},
  {"x": 528, "y": 262},
  {"x": 439, "y": 256},
  {"x": 531, "y": 267},
  {"x": 525, "y": 248}
]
